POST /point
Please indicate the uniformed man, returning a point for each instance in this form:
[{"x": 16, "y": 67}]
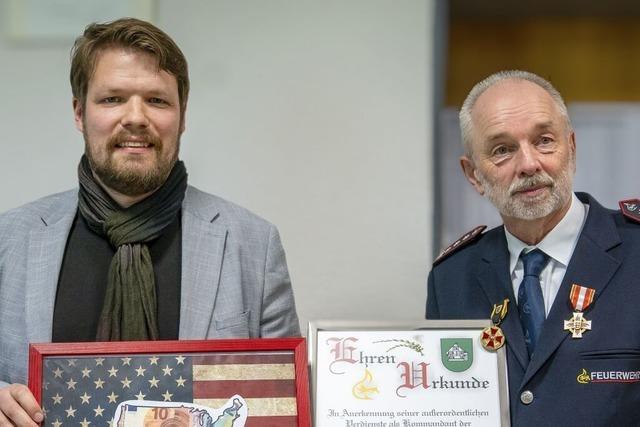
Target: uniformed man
[{"x": 567, "y": 266}]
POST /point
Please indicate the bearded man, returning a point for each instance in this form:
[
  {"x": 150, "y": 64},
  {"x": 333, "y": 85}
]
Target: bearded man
[
  {"x": 135, "y": 253},
  {"x": 565, "y": 267}
]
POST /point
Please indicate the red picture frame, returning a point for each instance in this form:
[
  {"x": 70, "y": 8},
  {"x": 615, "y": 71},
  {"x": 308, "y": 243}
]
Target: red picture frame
[{"x": 259, "y": 353}]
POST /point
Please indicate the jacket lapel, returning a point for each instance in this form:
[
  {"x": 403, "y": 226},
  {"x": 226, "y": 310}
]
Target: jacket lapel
[
  {"x": 493, "y": 277},
  {"x": 597, "y": 238},
  {"x": 45, "y": 251},
  {"x": 203, "y": 245}
]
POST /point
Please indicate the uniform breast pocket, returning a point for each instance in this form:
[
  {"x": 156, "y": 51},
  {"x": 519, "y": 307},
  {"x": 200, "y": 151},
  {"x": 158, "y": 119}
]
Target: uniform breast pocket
[
  {"x": 233, "y": 325},
  {"x": 613, "y": 374},
  {"x": 611, "y": 354}
]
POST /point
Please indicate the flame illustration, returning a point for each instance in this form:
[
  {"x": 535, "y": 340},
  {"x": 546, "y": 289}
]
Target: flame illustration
[
  {"x": 364, "y": 388},
  {"x": 583, "y": 377}
]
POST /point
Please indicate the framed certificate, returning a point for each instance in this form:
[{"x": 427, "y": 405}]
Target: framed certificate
[
  {"x": 429, "y": 372},
  {"x": 83, "y": 383}
]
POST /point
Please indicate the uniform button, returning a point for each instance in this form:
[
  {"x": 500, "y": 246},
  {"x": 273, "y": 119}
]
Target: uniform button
[{"x": 526, "y": 397}]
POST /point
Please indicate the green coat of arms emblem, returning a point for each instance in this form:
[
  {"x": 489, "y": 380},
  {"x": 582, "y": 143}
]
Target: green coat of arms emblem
[{"x": 456, "y": 353}]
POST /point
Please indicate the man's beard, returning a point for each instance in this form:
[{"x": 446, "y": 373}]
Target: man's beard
[
  {"x": 510, "y": 204},
  {"x": 131, "y": 179}
]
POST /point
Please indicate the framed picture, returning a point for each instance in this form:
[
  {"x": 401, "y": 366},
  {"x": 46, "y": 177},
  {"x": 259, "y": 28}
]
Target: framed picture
[
  {"x": 84, "y": 383},
  {"x": 406, "y": 374}
]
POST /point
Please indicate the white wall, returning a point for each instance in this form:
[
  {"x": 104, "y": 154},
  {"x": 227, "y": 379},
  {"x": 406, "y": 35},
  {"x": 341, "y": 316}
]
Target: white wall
[{"x": 314, "y": 114}]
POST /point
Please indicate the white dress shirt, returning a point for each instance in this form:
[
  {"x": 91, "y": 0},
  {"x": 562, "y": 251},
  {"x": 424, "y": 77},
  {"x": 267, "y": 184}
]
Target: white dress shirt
[{"x": 559, "y": 244}]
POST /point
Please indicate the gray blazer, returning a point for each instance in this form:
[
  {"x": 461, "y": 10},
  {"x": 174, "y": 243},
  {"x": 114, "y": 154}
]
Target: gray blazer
[{"x": 235, "y": 282}]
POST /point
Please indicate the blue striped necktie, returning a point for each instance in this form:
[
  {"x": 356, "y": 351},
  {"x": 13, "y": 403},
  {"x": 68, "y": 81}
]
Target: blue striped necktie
[{"x": 530, "y": 300}]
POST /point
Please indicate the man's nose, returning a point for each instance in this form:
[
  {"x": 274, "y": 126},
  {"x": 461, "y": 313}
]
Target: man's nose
[
  {"x": 134, "y": 115},
  {"x": 528, "y": 160}
]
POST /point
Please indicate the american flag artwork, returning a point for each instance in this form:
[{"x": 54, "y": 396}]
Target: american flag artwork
[{"x": 84, "y": 390}]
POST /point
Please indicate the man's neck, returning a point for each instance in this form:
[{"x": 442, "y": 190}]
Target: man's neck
[
  {"x": 533, "y": 231},
  {"x": 123, "y": 200}
]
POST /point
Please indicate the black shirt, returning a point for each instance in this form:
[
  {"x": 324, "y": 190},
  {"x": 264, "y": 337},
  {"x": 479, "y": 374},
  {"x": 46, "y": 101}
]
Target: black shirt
[{"x": 83, "y": 281}]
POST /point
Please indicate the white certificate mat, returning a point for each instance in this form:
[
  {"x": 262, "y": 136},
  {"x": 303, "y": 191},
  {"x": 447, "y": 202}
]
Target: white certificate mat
[{"x": 428, "y": 373}]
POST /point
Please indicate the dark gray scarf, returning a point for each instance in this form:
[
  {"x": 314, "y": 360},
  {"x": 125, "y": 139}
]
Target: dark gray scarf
[{"x": 130, "y": 307}]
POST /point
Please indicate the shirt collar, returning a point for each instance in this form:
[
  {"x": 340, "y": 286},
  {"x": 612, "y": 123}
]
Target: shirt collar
[{"x": 559, "y": 242}]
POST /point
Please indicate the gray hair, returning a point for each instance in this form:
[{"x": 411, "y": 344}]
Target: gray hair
[{"x": 466, "y": 125}]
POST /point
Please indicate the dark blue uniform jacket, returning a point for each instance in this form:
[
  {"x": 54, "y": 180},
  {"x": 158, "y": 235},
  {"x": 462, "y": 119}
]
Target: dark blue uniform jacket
[{"x": 469, "y": 282}]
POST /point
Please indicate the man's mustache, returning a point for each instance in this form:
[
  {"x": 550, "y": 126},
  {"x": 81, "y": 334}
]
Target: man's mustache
[
  {"x": 523, "y": 184},
  {"x": 144, "y": 137}
]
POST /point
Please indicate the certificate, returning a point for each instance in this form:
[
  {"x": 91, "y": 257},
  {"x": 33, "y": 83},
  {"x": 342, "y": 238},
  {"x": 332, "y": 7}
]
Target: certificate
[
  {"x": 427, "y": 373},
  {"x": 84, "y": 383}
]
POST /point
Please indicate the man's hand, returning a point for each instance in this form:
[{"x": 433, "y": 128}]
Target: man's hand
[{"x": 18, "y": 407}]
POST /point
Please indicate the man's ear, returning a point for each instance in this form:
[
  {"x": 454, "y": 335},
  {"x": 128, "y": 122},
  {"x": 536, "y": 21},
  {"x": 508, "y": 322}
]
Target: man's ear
[
  {"x": 183, "y": 114},
  {"x": 469, "y": 170},
  {"x": 572, "y": 149},
  {"x": 78, "y": 114},
  {"x": 572, "y": 142}
]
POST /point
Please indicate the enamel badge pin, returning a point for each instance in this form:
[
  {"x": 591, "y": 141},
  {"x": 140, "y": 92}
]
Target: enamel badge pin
[
  {"x": 492, "y": 337},
  {"x": 580, "y": 297}
]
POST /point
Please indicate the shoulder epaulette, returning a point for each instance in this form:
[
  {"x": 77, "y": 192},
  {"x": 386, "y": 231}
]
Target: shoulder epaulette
[
  {"x": 631, "y": 209},
  {"x": 460, "y": 243}
]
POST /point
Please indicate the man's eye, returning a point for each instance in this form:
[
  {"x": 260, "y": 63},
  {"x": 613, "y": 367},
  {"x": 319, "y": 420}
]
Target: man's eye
[
  {"x": 500, "y": 151},
  {"x": 157, "y": 101},
  {"x": 111, "y": 100},
  {"x": 546, "y": 140}
]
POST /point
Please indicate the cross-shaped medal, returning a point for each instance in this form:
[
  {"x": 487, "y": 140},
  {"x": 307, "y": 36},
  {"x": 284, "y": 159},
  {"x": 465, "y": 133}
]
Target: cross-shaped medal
[{"x": 577, "y": 325}]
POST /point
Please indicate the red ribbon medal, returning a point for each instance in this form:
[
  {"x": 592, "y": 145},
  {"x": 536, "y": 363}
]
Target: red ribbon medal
[{"x": 492, "y": 337}]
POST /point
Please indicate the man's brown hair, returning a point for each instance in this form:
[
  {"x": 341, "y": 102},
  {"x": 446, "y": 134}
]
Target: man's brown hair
[{"x": 126, "y": 33}]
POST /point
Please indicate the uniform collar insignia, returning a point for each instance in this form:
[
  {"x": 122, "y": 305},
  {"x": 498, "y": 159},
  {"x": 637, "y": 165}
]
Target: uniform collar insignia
[
  {"x": 460, "y": 243},
  {"x": 630, "y": 208}
]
